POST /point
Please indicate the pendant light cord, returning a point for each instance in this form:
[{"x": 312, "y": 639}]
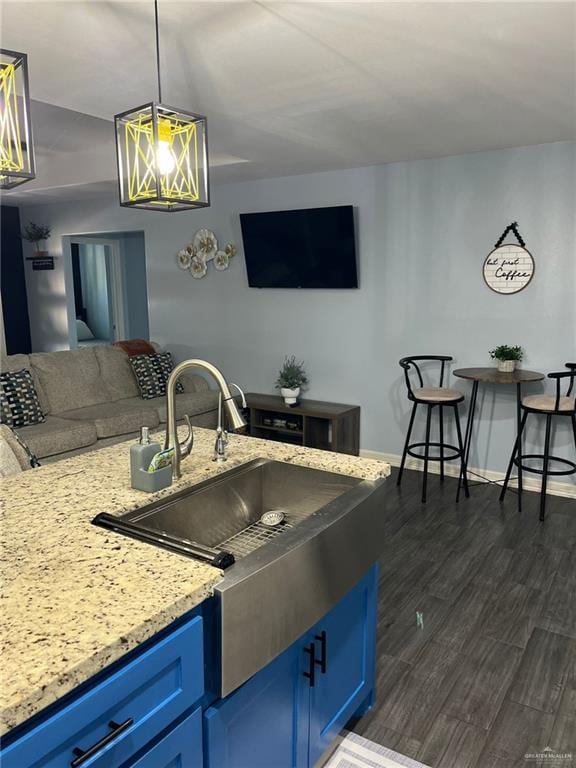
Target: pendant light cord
[{"x": 157, "y": 50}]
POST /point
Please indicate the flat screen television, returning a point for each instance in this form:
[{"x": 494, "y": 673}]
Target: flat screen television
[{"x": 308, "y": 248}]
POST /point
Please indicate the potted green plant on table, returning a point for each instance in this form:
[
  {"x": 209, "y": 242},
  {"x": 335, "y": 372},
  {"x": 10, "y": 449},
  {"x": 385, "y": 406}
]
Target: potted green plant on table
[
  {"x": 37, "y": 234},
  {"x": 506, "y": 357},
  {"x": 291, "y": 379}
]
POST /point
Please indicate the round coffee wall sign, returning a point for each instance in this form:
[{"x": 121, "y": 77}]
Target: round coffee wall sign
[{"x": 510, "y": 266}]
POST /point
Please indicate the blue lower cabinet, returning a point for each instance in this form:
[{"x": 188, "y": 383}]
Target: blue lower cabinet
[
  {"x": 114, "y": 719},
  {"x": 289, "y": 713},
  {"x": 137, "y": 715},
  {"x": 258, "y": 725},
  {"x": 181, "y": 748}
]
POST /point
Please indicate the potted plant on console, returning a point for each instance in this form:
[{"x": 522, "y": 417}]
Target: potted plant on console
[
  {"x": 506, "y": 357},
  {"x": 291, "y": 379},
  {"x": 37, "y": 234}
]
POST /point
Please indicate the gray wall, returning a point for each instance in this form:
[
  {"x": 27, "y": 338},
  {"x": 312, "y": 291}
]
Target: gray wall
[
  {"x": 46, "y": 290},
  {"x": 133, "y": 257},
  {"x": 424, "y": 229}
]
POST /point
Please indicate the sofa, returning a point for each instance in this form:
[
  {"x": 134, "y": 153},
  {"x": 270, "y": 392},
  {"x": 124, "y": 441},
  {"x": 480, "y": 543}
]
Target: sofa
[{"x": 90, "y": 397}]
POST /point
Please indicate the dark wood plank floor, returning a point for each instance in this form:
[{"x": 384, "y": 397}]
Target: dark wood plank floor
[{"x": 476, "y": 629}]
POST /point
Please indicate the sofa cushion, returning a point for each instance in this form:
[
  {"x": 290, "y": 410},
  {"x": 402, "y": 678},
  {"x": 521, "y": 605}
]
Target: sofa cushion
[
  {"x": 70, "y": 379},
  {"x": 116, "y": 372},
  {"x": 8, "y": 462},
  {"x": 117, "y": 418},
  {"x": 13, "y": 443},
  {"x": 57, "y": 435},
  {"x": 17, "y": 363},
  {"x": 190, "y": 403},
  {"x": 19, "y": 404},
  {"x": 191, "y": 382}
]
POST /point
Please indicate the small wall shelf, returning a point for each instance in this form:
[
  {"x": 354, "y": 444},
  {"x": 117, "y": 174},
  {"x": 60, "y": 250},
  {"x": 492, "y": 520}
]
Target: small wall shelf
[
  {"x": 312, "y": 423},
  {"x": 41, "y": 263}
]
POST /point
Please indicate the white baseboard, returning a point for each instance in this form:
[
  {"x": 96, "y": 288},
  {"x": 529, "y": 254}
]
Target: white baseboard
[{"x": 554, "y": 487}]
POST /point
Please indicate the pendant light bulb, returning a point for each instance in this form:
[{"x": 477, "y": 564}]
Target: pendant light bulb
[{"x": 165, "y": 159}]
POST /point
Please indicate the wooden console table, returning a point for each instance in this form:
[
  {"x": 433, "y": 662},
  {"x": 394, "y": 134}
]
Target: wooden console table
[{"x": 315, "y": 424}]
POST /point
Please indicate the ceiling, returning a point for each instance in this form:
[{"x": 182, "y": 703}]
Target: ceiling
[{"x": 292, "y": 87}]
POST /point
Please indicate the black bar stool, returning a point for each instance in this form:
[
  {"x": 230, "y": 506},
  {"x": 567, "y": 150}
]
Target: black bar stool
[
  {"x": 439, "y": 396},
  {"x": 550, "y": 405}
]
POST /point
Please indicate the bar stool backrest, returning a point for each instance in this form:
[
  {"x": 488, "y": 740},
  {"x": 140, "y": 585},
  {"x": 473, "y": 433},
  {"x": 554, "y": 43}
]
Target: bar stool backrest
[
  {"x": 412, "y": 367},
  {"x": 558, "y": 376}
]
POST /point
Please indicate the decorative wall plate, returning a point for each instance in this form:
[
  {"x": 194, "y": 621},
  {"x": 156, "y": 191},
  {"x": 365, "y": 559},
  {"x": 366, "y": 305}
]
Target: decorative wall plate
[
  {"x": 510, "y": 266},
  {"x": 221, "y": 261},
  {"x": 198, "y": 267},
  {"x": 206, "y": 244},
  {"x": 184, "y": 259}
]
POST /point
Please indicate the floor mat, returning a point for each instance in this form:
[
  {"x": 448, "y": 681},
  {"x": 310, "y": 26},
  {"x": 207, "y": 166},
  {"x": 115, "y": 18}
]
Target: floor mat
[{"x": 357, "y": 752}]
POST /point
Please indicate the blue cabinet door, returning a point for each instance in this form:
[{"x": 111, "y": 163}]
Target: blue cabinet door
[
  {"x": 344, "y": 640},
  {"x": 260, "y": 724},
  {"x": 181, "y": 748}
]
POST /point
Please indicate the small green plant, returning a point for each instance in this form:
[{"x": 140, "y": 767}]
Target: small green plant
[
  {"x": 292, "y": 374},
  {"x": 504, "y": 352},
  {"x": 36, "y": 234}
]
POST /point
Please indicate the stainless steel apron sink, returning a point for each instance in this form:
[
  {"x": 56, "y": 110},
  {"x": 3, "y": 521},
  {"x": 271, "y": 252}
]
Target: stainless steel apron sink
[{"x": 281, "y": 579}]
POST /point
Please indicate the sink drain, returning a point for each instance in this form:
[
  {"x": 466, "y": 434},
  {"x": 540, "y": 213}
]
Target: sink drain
[{"x": 273, "y": 517}]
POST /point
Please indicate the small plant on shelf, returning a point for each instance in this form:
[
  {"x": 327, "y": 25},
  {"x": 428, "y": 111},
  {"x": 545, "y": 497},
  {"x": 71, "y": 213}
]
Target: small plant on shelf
[
  {"x": 506, "y": 357},
  {"x": 291, "y": 379},
  {"x": 36, "y": 234}
]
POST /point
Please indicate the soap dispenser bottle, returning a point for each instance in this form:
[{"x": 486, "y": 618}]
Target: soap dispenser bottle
[{"x": 141, "y": 454}]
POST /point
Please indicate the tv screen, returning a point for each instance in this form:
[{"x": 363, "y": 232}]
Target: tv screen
[{"x": 309, "y": 248}]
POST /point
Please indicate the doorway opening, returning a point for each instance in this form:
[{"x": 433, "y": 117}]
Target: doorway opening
[{"x": 110, "y": 298}]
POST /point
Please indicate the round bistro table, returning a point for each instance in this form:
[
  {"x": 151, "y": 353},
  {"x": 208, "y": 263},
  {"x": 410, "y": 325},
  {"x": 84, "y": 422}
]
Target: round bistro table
[{"x": 493, "y": 376}]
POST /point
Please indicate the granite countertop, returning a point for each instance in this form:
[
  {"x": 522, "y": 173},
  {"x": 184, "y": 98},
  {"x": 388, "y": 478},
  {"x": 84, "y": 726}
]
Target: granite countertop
[{"x": 76, "y": 597}]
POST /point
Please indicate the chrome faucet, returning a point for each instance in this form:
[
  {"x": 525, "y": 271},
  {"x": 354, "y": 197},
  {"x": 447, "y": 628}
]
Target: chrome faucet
[
  {"x": 182, "y": 450},
  {"x": 221, "y": 434}
]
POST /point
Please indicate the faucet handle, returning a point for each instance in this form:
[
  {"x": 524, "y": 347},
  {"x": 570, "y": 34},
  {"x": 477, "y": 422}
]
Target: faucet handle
[
  {"x": 221, "y": 435},
  {"x": 220, "y": 444},
  {"x": 188, "y": 442}
]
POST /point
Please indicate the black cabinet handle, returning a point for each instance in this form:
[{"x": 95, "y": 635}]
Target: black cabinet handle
[
  {"x": 311, "y": 674},
  {"x": 322, "y": 662},
  {"x": 81, "y": 755}
]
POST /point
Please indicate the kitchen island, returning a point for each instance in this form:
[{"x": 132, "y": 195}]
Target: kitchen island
[{"x": 78, "y": 599}]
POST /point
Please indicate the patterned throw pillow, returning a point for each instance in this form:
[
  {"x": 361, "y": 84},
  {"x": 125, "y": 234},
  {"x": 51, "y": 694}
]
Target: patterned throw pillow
[
  {"x": 19, "y": 404},
  {"x": 152, "y": 372}
]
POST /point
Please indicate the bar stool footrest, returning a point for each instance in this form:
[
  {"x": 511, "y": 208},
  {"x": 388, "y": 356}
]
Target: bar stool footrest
[
  {"x": 518, "y": 462},
  {"x": 446, "y": 446}
]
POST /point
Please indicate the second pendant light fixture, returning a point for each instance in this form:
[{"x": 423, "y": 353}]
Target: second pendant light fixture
[{"x": 162, "y": 154}]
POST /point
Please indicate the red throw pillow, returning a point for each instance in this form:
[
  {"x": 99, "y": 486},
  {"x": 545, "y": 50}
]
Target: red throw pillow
[{"x": 135, "y": 347}]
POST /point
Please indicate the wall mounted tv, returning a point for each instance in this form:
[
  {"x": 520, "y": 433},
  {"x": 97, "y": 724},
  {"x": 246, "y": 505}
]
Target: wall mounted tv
[{"x": 308, "y": 248}]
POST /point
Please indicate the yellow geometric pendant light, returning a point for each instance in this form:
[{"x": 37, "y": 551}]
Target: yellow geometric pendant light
[
  {"x": 16, "y": 146},
  {"x": 162, "y": 154}
]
